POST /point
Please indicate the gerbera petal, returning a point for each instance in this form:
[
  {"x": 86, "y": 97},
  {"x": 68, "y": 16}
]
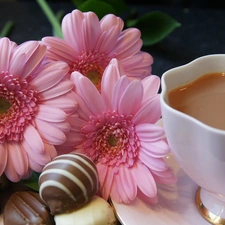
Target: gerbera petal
[
  {"x": 33, "y": 138},
  {"x": 130, "y": 100},
  {"x": 138, "y": 64},
  {"x": 156, "y": 149},
  {"x": 164, "y": 177},
  {"x": 139, "y": 73},
  {"x": 3, "y": 156},
  {"x": 106, "y": 176},
  {"x": 149, "y": 132},
  {"x": 18, "y": 157},
  {"x": 83, "y": 111},
  {"x": 157, "y": 164},
  {"x": 108, "y": 40},
  {"x": 128, "y": 183},
  {"x": 90, "y": 94},
  {"x": 75, "y": 77},
  {"x": 6, "y": 48},
  {"x": 128, "y": 44},
  {"x": 149, "y": 112},
  {"x": 72, "y": 29},
  {"x": 119, "y": 88},
  {"x": 50, "y": 150},
  {"x": 91, "y": 30},
  {"x": 151, "y": 85},
  {"x": 50, "y": 134},
  {"x": 45, "y": 79},
  {"x": 109, "y": 79},
  {"x": 109, "y": 21},
  {"x": 122, "y": 192},
  {"x": 24, "y": 78},
  {"x": 74, "y": 138},
  {"x": 65, "y": 102},
  {"x": 61, "y": 88},
  {"x": 35, "y": 166},
  {"x": 18, "y": 64},
  {"x": 42, "y": 158},
  {"x": 64, "y": 126},
  {"x": 11, "y": 173},
  {"x": 77, "y": 123},
  {"x": 60, "y": 48},
  {"x": 114, "y": 193},
  {"x": 35, "y": 52},
  {"x": 147, "y": 199},
  {"x": 50, "y": 114},
  {"x": 144, "y": 180}
]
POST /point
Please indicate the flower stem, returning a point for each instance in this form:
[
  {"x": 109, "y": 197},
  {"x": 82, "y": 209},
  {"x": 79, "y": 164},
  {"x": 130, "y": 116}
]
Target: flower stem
[
  {"x": 6, "y": 29},
  {"x": 51, "y": 17}
]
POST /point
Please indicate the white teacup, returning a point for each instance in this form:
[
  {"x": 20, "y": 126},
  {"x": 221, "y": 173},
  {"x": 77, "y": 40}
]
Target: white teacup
[{"x": 197, "y": 147}]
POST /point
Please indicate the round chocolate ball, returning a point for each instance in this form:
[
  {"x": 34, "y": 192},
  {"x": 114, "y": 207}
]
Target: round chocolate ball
[{"x": 68, "y": 182}]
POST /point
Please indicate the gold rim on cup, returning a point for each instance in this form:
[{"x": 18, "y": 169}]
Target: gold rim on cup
[{"x": 209, "y": 216}]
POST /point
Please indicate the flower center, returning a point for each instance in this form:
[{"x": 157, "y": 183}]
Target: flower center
[
  {"x": 4, "y": 105},
  {"x": 94, "y": 76},
  {"x": 92, "y": 65},
  {"x": 114, "y": 140},
  {"x": 17, "y": 107}
]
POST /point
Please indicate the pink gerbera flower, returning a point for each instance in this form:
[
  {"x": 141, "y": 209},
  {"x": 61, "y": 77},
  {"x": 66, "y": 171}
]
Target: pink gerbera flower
[
  {"x": 117, "y": 130},
  {"x": 34, "y": 100},
  {"x": 90, "y": 44}
]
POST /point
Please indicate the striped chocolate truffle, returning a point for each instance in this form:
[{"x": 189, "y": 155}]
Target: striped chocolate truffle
[{"x": 68, "y": 182}]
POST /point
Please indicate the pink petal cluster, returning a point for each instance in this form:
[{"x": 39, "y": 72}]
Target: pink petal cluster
[
  {"x": 117, "y": 129},
  {"x": 90, "y": 44},
  {"x": 91, "y": 92},
  {"x": 34, "y": 101}
]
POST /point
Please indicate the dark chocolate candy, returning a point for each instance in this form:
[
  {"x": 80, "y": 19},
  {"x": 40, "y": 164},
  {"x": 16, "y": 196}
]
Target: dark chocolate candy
[
  {"x": 68, "y": 182},
  {"x": 27, "y": 208}
]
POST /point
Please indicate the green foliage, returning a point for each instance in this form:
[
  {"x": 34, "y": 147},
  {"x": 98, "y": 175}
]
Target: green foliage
[
  {"x": 56, "y": 25},
  {"x": 101, "y": 8},
  {"x": 7, "y": 29},
  {"x": 32, "y": 182},
  {"x": 154, "y": 26},
  {"x": 104, "y": 6}
]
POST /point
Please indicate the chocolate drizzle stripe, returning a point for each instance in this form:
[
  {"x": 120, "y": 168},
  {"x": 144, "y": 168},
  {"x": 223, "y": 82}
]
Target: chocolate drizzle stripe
[
  {"x": 57, "y": 184},
  {"x": 75, "y": 164},
  {"x": 81, "y": 158},
  {"x": 69, "y": 176}
]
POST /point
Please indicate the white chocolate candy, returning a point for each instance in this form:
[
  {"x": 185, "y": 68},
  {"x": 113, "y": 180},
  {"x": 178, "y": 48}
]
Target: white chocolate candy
[{"x": 96, "y": 212}]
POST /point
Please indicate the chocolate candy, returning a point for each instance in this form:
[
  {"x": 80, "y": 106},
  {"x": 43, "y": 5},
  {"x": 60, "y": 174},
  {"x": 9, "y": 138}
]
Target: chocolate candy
[
  {"x": 96, "y": 212},
  {"x": 26, "y": 207},
  {"x": 68, "y": 182}
]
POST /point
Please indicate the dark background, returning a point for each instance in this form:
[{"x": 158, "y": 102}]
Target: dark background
[{"x": 202, "y": 28}]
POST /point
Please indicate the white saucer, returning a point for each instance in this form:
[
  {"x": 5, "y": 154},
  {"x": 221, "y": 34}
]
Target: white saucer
[{"x": 176, "y": 205}]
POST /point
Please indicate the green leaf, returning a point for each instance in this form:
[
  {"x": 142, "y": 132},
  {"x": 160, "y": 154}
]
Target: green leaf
[
  {"x": 32, "y": 182},
  {"x": 99, "y": 7},
  {"x": 6, "y": 29},
  {"x": 119, "y": 6},
  {"x": 77, "y": 2},
  {"x": 51, "y": 17},
  {"x": 154, "y": 26},
  {"x": 59, "y": 16}
]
